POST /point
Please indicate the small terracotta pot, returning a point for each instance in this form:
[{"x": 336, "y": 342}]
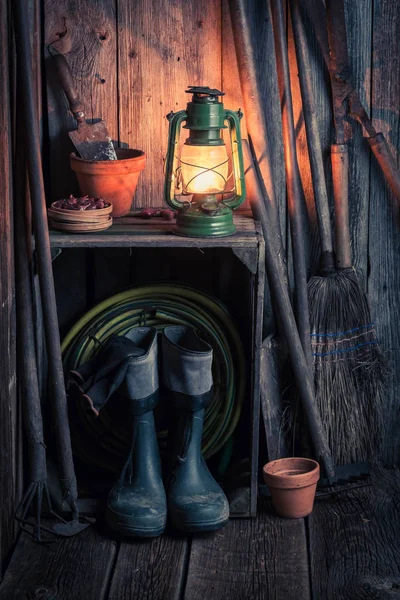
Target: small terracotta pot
[
  {"x": 292, "y": 483},
  {"x": 113, "y": 180}
]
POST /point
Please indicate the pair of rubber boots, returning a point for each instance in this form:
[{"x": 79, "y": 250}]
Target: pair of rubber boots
[{"x": 141, "y": 498}]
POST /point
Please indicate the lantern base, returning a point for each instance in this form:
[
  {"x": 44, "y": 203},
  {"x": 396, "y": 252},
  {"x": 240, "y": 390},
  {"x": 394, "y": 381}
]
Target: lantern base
[{"x": 195, "y": 222}]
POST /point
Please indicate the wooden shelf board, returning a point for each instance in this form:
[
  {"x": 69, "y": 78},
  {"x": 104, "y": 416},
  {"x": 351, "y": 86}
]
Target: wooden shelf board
[{"x": 133, "y": 231}]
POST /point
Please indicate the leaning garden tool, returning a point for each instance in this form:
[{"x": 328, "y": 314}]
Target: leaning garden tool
[
  {"x": 41, "y": 233},
  {"x": 296, "y": 207},
  {"x": 29, "y": 388},
  {"x": 345, "y": 92},
  {"x": 253, "y": 107},
  {"x": 335, "y": 356},
  {"x": 275, "y": 271},
  {"x": 345, "y": 348},
  {"x": 257, "y": 130},
  {"x": 327, "y": 261},
  {"x": 275, "y": 267},
  {"x": 92, "y": 140}
]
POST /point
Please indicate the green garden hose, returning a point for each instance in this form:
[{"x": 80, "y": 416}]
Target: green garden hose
[{"x": 159, "y": 305}]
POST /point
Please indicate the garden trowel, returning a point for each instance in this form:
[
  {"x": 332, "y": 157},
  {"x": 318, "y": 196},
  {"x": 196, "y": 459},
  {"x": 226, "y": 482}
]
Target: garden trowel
[{"x": 92, "y": 140}]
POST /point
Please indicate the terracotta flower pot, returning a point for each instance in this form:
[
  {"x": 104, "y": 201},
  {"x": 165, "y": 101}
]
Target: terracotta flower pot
[
  {"x": 292, "y": 483},
  {"x": 113, "y": 180}
]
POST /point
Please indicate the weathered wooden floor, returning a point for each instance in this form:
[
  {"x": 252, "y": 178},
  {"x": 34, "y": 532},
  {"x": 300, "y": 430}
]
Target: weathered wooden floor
[{"x": 349, "y": 548}]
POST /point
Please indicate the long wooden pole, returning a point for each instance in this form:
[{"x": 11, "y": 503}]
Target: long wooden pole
[{"x": 42, "y": 245}]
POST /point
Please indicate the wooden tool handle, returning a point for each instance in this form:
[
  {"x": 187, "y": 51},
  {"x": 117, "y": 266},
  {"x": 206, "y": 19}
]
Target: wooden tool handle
[
  {"x": 340, "y": 170},
  {"x": 313, "y": 137},
  {"x": 253, "y": 105},
  {"x": 67, "y": 84},
  {"x": 275, "y": 268},
  {"x": 386, "y": 162},
  {"x": 296, "y": 205}
]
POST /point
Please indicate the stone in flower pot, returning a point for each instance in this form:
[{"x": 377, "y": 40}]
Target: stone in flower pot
[{"x": 292, "y": 483}]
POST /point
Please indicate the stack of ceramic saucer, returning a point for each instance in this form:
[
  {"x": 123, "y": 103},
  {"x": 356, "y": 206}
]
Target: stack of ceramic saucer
[{"x": 80, "y": 215}]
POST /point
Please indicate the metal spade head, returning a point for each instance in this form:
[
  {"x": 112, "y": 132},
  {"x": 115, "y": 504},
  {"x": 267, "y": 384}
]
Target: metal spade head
[{"x": 93, "y": 142}]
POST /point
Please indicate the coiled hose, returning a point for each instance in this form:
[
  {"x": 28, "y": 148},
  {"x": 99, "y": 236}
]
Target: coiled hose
[{"x": 159, "y": 305}]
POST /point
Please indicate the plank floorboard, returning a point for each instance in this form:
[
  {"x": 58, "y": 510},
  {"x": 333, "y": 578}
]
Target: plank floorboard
[
  {"x": 69, "y": 569},
  {"x": 252, "y": 559},
  {"x": 355, "y": 542},
  {"x": 150, "y": 569}
]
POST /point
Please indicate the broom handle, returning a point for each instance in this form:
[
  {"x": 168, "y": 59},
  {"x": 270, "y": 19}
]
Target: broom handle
[
  {"x": 253, "y": 107},
  {"x": 275, "y": 271},
  {"x": 293, "y": 182},
  {"x": 340, "y": 177},
  {"x": 313, "y": 139},
  {"x": 39, "y": 218}
]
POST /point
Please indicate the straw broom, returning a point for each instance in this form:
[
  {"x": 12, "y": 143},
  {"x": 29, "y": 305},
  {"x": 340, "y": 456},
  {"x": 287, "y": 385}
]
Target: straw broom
[{"x": 350, "y": 369}]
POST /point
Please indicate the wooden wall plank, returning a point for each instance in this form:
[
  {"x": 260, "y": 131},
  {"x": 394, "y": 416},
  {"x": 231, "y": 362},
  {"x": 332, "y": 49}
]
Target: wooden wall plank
[
  {"x": 85, "y": 32},
  {"x": 355, "y": 542},
  {"x": 69, "y": 569},
  {"x": 150, "y": 569},
  {"x": 8, "y": 402},
  {"x": 384, "y": 232},
  {"x": 163, "y": 47},
  {"x": 250, "y": 560}
]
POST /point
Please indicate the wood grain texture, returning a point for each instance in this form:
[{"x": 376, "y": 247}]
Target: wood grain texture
[
  {"x": 8, "y": 404},
  {"x": 163, "y": 47},
  {"x": 250, "y": 560},
  {"x": 69, "y": 569},
  {"x": 85, "y": 32},
  {"x": 150, "y": 569},
  {"x": 384, "y": 221},
  {"x": 355, "y": 542}
]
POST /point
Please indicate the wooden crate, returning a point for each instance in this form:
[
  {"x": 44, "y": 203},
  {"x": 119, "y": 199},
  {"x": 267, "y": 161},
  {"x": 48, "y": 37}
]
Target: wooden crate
[{"x": 90, "y": 267}]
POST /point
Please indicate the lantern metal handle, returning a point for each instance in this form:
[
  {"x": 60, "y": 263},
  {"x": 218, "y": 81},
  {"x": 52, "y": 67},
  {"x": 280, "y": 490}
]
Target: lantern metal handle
[
  {"x": 233, "y": 119},
  {"x": 175, "y": 122}
]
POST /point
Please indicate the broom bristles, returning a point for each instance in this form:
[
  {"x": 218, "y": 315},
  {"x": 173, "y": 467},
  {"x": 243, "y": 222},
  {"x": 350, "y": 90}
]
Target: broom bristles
[{"x": 350, "y": 368}]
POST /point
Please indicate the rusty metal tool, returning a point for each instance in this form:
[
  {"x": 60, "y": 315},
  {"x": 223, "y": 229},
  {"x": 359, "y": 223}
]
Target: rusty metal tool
[
  {"x": 345, "y": 95},
  {"x": 92, "y": 140},
  {"x": 46, "y": 281}
]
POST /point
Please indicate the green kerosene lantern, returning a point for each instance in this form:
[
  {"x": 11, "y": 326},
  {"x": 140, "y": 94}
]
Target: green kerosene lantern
[{"x": 199, "y": 170}]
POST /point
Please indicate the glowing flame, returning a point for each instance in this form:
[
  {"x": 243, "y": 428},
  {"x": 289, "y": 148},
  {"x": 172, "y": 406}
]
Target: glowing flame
[{"x": 204, "y": 169}]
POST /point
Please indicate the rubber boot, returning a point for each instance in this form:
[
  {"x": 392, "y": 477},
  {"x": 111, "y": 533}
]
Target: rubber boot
[
  {"x": 195, "y": 500},
  {"x": 101, "y": 376},
  {"x": 136, "y": 505}
]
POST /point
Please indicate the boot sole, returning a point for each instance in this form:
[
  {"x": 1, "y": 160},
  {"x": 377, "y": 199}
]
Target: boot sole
[
  {"x": 199, "y": 527},
  {"x": 127, "y": 531}
]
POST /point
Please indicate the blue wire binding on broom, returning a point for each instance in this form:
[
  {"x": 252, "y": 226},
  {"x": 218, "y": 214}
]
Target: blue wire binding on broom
[
  {"x": 341, "y": 332},
  {"x": 347, "y": 349}
]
